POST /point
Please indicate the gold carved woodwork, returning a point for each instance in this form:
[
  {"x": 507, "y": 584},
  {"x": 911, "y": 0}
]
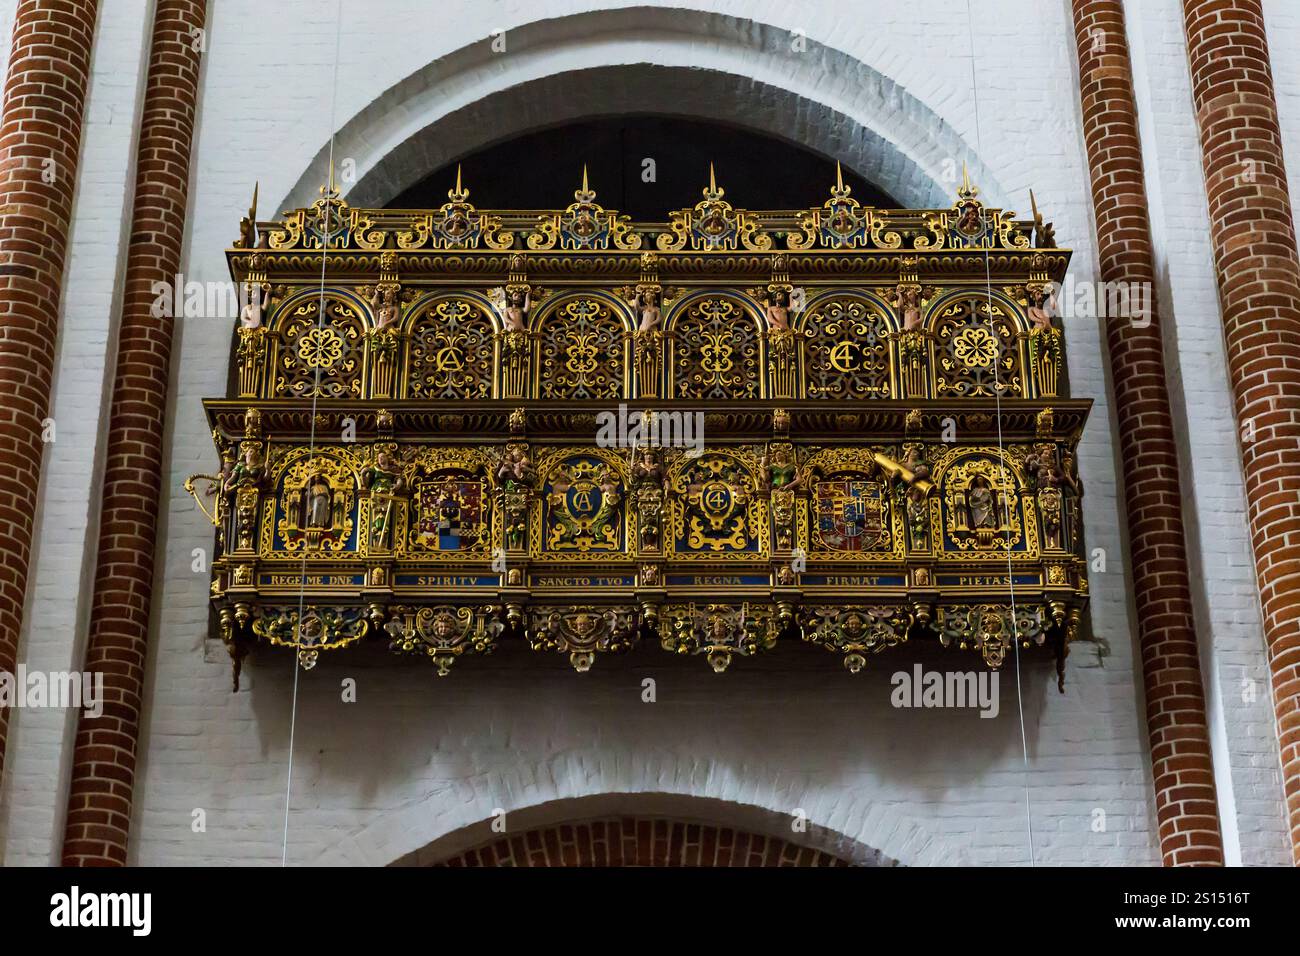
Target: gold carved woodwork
[{"x": 412, "y": 447}]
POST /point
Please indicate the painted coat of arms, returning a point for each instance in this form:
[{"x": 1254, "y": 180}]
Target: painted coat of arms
[
  {"x": 850, "y": 514},
  {"x": 449, "y": 515}
]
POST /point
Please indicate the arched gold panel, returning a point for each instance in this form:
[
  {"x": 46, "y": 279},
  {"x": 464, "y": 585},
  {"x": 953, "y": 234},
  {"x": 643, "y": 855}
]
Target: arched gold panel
[
  {"x": 716, "y": 349},
  {"x": 581, "y": 348},
  {"x": 451, "y": 350}
]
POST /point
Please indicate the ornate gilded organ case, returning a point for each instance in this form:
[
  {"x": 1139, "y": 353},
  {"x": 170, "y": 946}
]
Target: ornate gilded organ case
[{"x": 840, "y": 426}]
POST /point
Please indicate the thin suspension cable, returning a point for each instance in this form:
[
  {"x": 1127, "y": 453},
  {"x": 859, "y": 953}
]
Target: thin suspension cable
[
  {"x": 311, "y": 442},
  {"x": 1002, "y": 455}
]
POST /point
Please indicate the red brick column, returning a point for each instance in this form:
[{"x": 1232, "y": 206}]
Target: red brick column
[
  {"x": 103, "y": 771},
  {"x": 1259, "y": 293},
  {"x": 40, "y": 136},
  {"x": 636, "y": 841},
  {"x": 1186, "y": 807}
]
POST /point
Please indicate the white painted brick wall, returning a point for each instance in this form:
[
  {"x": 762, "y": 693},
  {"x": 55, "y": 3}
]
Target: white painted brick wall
[{"x": 417, "y": 758}]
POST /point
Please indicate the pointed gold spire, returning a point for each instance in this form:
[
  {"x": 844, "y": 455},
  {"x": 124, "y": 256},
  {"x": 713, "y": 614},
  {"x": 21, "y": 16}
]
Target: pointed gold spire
[
  {"x": 458, "y": 193},
  {"x": 839, "y": 190},
  {"x": 586, "y": 194},
  {"x": 713, "y": 192},
  {"x": 252, "y": 210},
  {"x": 966, "y": 190}
]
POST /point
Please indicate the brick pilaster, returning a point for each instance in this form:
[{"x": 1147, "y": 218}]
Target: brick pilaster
[
  {"x": 1186, "y": 806},
  {"x": 1258, "y": 272},
  {"x": 104, "y": 760},
  {"x": 40, "y": 136}
]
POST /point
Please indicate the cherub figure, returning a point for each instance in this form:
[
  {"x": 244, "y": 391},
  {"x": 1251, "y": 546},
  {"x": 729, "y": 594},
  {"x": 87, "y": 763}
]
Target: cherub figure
[
  {"x": 514, "y": 467},
  {"x": 258, "y": 298},
  {"x": 608, "y": 482}
]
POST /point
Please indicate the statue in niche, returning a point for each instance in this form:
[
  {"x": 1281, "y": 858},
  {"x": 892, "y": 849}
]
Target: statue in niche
[
  {"x": 980, "y": 505},
  {"x": 584, "y": 223},
  {"x": 714, "y": 222},
  {"x": 258, "y": 297},
  {"x": 318, "y": 512},
  {"x": 969, "y": 221}
]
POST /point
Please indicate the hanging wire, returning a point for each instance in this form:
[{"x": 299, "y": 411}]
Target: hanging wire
[
  {"x": 1002, "y": 455},
  {"x": 311, "y": 443}
]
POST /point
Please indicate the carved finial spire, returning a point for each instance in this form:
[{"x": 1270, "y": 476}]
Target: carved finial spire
[
  {"x": 330, "y": 190},
  {"x": 966, "y": 190},
  {"x": 586, "y": 193},
  {"x": 713, "y": 192},
  {"x": 839, "y": 190},
  {"x": 458, "y": 193},
  {"x": 252, "y": 210}
]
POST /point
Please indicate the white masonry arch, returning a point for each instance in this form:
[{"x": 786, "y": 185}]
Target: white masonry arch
[{"x": 677, "y": 62}]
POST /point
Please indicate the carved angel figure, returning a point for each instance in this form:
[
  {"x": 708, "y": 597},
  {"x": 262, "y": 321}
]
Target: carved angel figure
[{"x": 514, "y": 467}]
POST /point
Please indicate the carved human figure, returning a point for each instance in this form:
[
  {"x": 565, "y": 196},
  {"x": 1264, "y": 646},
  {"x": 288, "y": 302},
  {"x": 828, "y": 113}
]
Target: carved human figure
[
  {"x": 909, "y": 303},
  {"x": 514, "y": 314},
  {"x": 841, "y": 220},
  {"x": 1042, "y": 306},
  {"x": 970, "y": 217},
  {"x": 714, "y": 222},
  {"x": 584, "y": 223},
  {"x": 319, "y": 500},
  {"x": 457, "y": 223},
  {"x": 257, "y": 297},
  {"x": 979, "y": 502},
  {"x": 384, "y": 302},
  {"x": 647, "y": 471},
  {"x": 648, "y": 306},
  {"x": 778, "y": 311},
  {"x": 247, "y": 470},
  {"x": 608, "y": 483},
  {"x": 779, "y": 470}
]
